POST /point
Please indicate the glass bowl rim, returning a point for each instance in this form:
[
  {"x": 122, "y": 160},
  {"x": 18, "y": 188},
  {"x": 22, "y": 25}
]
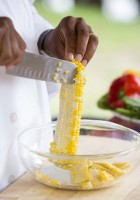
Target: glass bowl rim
[{"x": 103, "y": 123}]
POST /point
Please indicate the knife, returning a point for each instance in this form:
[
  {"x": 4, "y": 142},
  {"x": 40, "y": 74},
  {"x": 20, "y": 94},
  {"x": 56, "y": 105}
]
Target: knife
[{"x": 44, "y": 67}]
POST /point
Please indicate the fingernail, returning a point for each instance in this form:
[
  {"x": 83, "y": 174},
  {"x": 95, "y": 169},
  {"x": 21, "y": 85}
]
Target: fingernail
[
  {"x": 79, "y": 57},
  {"x": 70, "y": 56},
  {"x": 84, "y": 62}
]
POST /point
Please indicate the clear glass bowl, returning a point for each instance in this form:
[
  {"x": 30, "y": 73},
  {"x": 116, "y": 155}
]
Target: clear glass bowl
[{"x": 107, "y": 153}]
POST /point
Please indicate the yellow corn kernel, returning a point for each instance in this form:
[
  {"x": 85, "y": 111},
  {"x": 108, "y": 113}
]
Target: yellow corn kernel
[
  {"x": 87, "y": 185},
  {"x": 64, "y": 80},
  {"x": 58, "y": 69},
  {"x": 105, "y": 176},
  {"x": 54, "y": 78},
  {"x": 59, "y": 64},
  {"x": 57, "y": 81},
  {"x": 66, "y": 71},
  {"x": 55, "y": 75}
]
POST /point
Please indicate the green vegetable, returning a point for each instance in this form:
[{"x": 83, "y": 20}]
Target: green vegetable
[
  {"x": 103, "y": 103},
  {"x": 128, "y": 113},
  {"x": 131, "y": 109},
  {"x": 131, "y": 102}
]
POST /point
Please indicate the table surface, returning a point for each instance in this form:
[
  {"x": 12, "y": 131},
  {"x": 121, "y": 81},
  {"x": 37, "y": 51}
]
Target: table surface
[{"x": 27, "y": 188}]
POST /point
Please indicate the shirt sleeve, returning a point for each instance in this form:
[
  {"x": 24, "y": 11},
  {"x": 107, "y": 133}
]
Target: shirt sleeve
[{"x": 40, "y": 24}]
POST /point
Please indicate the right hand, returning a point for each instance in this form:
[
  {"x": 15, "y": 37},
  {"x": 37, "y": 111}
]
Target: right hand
[
  {"x": 71, "y": 39},
  {"x": 12, "y": 46}
]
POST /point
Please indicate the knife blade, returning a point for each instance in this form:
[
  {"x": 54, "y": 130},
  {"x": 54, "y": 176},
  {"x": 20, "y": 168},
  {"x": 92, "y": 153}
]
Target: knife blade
[{"x": 44, "y": 67}]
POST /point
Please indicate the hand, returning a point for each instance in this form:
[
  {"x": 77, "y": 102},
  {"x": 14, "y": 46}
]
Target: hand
[
  {"x": 12, "y": 45},
  {"x": 72, "y": 38}
]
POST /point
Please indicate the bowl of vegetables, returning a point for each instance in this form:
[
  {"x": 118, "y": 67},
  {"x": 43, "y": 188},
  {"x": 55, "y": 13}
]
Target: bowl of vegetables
[{"x": 123, "y": 97}]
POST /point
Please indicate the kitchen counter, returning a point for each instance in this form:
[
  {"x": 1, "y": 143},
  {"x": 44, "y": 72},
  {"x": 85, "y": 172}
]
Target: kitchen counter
[{"x": 26, "y": 188}]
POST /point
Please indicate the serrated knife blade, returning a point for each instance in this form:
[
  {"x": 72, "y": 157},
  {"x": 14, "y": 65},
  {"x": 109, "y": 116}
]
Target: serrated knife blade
[{"x": 43, "y": 67}]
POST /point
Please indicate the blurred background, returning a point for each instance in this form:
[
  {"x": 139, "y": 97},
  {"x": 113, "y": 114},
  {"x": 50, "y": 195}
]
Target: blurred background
[{"x": 117, "y": 25}]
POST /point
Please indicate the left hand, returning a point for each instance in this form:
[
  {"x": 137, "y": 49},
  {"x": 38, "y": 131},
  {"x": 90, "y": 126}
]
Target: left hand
[{"x": 71, "y": 39}]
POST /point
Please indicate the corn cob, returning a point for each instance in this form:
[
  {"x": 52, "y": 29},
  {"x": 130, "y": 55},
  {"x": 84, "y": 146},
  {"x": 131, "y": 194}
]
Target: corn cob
[{"x": 70, "y": 112}]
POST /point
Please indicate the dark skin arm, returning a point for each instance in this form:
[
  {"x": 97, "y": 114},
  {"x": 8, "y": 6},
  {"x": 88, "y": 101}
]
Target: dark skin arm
[{"x": 72, "y": 38}]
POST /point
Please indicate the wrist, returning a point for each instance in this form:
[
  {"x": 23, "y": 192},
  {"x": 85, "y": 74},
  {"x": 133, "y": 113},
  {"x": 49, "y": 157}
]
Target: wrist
[{"x": 42, "y": 39}]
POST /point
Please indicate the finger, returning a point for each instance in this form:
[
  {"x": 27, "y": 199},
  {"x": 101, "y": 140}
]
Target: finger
[
  {"x": 70, "y": 44},
  {"x": 16, "y": 61},
  {"x": 69, "y": 32},
  {"x": 1, "y": 38},
  {"x": 14, "y": 44},
  {"x": 91, "y": 48},
  {"x": 82, "y": 39},
  {"x": 18, "y": 45},
  {"x": 6, "y": 50},
  {"x": 17, "y": 58},
  {"x": 21, "y": 42},
  {"x": 18, "y": 48}
]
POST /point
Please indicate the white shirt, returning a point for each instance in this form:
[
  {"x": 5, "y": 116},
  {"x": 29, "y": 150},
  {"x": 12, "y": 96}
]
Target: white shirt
[{"x": 23, "y": 102}]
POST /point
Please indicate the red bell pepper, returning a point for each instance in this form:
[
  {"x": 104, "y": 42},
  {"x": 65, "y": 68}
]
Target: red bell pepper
[
  {"x": 131, "y": 85},
  {"x": 126, "y": 85},
  {"x": 114, "y": 91}
]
